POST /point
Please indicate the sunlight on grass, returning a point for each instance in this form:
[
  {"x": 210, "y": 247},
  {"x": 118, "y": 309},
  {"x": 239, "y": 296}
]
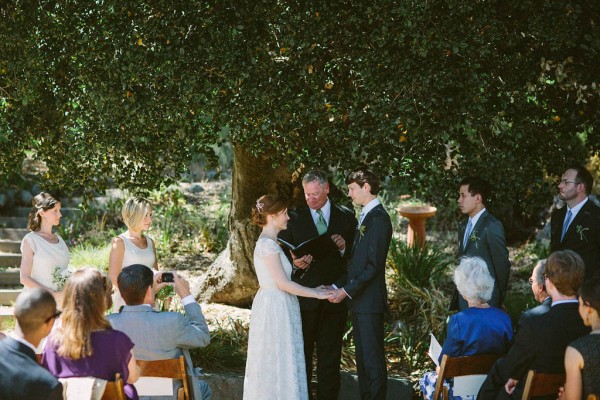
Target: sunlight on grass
[{"x": 89, "y": 256}]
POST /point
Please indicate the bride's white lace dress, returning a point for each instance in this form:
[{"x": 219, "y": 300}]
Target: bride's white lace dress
[{"x": 275, "y": 367}]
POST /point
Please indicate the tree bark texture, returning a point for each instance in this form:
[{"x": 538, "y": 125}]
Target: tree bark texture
[{"x": 231, "y": 279}]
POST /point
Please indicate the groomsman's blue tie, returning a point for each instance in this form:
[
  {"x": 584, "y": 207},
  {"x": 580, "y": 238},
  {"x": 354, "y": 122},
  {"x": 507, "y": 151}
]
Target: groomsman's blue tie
[
  {"x": 467, "y": 233},
  {"x": 321, "y": 224},
  {"x": 566, "y": 224}
]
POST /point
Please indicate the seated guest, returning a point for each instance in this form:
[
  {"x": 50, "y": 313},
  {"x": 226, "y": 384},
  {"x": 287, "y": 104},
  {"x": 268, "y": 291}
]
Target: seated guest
[
  {"x": 85, "y": 344},
  {"x": 21, "y": 376},
  {"x": 582, "y": 359},
  {"x": 478, "y": 329},
  {"x": 161, "y": 335},
  {"x": 538, "y": 287},
  {"x": 542, "y": 339}
]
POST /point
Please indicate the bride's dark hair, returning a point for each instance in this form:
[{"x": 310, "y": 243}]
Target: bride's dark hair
[{"x": 266, "y": 205}]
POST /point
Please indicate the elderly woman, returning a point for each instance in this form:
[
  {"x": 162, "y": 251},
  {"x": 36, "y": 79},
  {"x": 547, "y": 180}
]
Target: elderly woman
[{"x": 480, "y": 329}]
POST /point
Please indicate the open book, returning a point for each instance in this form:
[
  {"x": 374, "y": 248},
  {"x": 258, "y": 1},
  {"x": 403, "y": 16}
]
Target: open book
[{"x": 318, "y": 247}]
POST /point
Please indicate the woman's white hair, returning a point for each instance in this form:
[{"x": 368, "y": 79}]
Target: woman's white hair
[{"x": 473, "y": 280}]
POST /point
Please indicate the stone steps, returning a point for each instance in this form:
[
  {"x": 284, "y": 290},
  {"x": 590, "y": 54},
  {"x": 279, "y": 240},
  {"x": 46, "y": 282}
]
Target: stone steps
[
  {"x": 13, "y": 233},
  {"x": 10, "y": 277},
  {"x": 8, "y": 296},
  {"x": 10, "y": 246},
  {"x": 10, "y": 260},
  {"x": 23, "y": 212},
  {"x": 13, "y": 222}
]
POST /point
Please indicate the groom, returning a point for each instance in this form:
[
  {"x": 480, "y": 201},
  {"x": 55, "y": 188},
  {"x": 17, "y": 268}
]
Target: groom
[
  {"x": 323, "y": 323},
  {"x": 364, "y": 284}
]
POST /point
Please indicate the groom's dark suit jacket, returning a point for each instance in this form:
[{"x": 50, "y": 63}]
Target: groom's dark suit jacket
[
  {"x": 586, "y": 242},
  {"x": 21, "y": 377},
  {"x": 489, "y": 244},
  {"x": 301, "y": 227},
  {"x": 365, "y": 280}
]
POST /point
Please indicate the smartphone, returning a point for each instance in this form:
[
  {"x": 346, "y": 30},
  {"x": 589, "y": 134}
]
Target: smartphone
[{"x": 168, "y": 277}]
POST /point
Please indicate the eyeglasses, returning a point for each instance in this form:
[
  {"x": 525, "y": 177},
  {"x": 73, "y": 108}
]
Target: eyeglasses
[
  {"x": 564, "y": 181},
  {"x": 530, "y": 281},
  {"x": 55, "y": 315}
]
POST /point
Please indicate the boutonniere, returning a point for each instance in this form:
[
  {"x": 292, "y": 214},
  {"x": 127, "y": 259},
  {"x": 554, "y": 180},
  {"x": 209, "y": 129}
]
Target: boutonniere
[
  {"x": 473, "y": 238},
  {"x": 361, "y": 231},
  {"x": 581, "y": 231}
]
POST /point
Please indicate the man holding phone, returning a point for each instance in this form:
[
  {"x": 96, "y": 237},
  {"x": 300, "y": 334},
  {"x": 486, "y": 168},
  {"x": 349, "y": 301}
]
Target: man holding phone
[{"x": 161, "y": 335}]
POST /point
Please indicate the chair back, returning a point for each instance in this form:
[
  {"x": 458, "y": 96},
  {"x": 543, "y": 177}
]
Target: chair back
[
  {"x": 540, "y": 384},
  {"x": 461, "y": 366},
  {"x": 114, "y": 390},
  {"x": 173, "y": 368}
]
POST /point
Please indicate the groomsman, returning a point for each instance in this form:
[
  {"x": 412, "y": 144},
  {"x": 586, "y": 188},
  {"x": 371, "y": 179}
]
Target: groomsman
[
  {"x": 577, "y": 226},
  {"x": 323, "y": 323},
  {"x": 481, "y": 235},
  {"x": 364, "y": 284}
]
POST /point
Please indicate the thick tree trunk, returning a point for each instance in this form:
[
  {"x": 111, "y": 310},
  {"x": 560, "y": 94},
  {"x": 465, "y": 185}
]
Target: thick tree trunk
[{"x": 231, "y": 279}]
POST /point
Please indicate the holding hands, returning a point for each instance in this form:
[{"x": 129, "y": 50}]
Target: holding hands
[{"x": 330, "y": 293}]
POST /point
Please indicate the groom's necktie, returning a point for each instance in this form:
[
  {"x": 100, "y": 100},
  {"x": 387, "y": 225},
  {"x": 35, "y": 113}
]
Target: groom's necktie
[
  {"x": 566, "y": 224},
  {"x": 321, "y": 224},
  {"x": 467, "y": 233}
]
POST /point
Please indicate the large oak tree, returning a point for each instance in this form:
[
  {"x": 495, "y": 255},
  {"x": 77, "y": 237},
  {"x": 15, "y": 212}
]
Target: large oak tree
[{"x": 124, "y": 92}]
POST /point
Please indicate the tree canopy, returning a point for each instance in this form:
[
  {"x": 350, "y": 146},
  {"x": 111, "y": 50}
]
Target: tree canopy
[{"x": 422, "y": 91}]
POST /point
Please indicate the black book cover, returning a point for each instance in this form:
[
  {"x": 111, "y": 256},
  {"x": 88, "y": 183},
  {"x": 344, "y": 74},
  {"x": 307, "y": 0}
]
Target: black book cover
[{"x": 319, "y": 247}]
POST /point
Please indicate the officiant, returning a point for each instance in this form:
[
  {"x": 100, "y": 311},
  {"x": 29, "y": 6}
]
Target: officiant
[{"x": 323, "y": 323}]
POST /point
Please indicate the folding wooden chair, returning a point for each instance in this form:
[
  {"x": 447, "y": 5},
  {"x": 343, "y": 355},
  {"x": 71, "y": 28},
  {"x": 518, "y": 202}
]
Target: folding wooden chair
[
  {"x": 540, "y": 384},
  {"x": 173, "y": 368},
  {"x": 461, "y": 366},
  {"x": 114, "y": 390}
]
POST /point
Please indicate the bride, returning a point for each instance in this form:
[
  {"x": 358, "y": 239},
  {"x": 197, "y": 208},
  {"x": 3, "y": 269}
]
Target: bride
[{"x": 275, "y": 367}]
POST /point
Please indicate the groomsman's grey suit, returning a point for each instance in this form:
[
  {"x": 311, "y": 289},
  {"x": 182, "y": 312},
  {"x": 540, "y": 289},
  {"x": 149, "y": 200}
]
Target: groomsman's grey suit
[
  {"x": 487, "y": 241},
  {"x": 481, "y": 235}
]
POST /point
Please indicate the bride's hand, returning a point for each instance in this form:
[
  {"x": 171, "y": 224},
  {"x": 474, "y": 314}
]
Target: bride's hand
[{"x": 323, "y": 292}]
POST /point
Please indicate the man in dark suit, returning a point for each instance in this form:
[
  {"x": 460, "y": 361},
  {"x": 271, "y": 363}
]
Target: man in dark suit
[
  {"x": 323, "y": 323},
  {"x": 542, "y": 339},
  {"x": 538, "y": 287},
  {"x": 364, "y": 284},
  {"x": 482, "y": 235},
  {"x": 577, "y": 226},
  {"x": 21, "y": 376}
]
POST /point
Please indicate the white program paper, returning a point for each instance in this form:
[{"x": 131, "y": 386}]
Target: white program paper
[
  {"x": 435, "y": 350},
  {"x": 150, "y": 386},
  {"x": 468, "y": 385}
]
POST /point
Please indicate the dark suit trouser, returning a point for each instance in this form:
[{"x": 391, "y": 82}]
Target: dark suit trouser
[
  {"x": 370, "y": 355},
  {"x": 324, "y": 326}
]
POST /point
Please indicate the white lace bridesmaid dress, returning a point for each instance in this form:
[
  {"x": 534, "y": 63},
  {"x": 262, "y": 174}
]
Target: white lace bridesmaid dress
[{"x": 275, "y": 367}]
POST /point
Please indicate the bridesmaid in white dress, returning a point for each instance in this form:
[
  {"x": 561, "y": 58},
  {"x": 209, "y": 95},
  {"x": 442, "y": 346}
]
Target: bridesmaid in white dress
[
  {"x": 275, "y": 367},
  {"x": 44, "y": 253},
  {"x": 132, "y": 246}
]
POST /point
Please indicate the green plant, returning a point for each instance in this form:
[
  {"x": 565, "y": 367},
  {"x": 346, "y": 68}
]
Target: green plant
[
  {"x": 87, "y": 255},
  {"x": 226, "y": 351},
  {"x": 417, "y": 266}
]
